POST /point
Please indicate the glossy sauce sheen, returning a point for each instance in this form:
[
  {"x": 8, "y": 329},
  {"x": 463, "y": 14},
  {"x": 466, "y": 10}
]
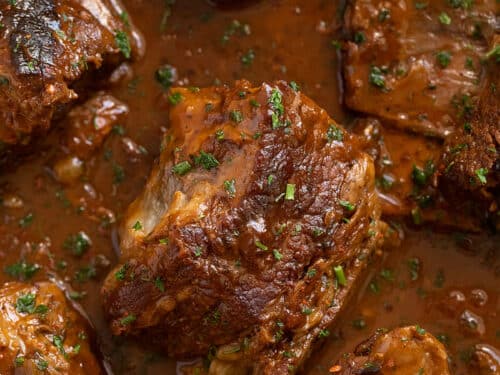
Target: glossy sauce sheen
[{"x": 290, "y": 40}]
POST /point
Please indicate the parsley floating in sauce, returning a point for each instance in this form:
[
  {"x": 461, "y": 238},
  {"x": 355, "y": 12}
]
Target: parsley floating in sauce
[
  {"x": 376, "y": 77},
  {"x": 78, "y": 243},
  {"x": 123, "y": 44},
  {"x": 248, "y": 58},
  {"x": 22, "y": 270},
  {"x": 443, "y": 58},
  {"x": 347, "y": 205},
  {"x": 165, "y": 75},
  {"x": 276, "y": 103},
  {"x": 444, "y": 19},
  {"x": 261, "y": 246}
]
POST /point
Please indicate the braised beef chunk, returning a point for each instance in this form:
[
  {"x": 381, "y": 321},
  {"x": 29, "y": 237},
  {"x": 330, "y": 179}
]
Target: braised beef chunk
[
  {"x": 416, "y": 64},
  {"x": 254, "y": 226},
  {"x": 40, "y": 333},
  {"x": 402, "y": 351},
  {"x": 471, "y": 165},
  {"x": 45, "y": 46}
]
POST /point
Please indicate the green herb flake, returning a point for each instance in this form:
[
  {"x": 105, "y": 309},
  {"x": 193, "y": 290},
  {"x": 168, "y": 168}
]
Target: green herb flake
[
  {"x": 165, "y": 75},
  {"x": 340, "y": 275},
  {"x": 175, "y": 98},
  {"x": 277, "y": 255},
  {"x": 443, "y": 58},
  {"x": 236, "y": 116},
  {"x": 206, "y": 160},
  {"x": 444, "y": 19},
  {"x": 19, "y": 361},
  {"x": 347, "y": 205},
  {"x": 295, "y": 87},
  {"x": 160, "y": 284},
  {"x": 25, "y": 303},
  {"x": 290, "y": 192},
  {"x": 78, "y": 243},
  {"x": 334, "y": 133},
  {"x": 27, "y": 220},
  {"x": 230, "y": 187},
  {"x": 376, "y": 77},
  {"x": 137, "y": 226},
  {"x": 481, "y": 174},
  {"x": 123, "y": 43},
  {"x": 181, "y": 168},
  {"x": 129, "y": 319},
  {"x": 22, "y": 270},
  {"x": 261, "y": 246}
]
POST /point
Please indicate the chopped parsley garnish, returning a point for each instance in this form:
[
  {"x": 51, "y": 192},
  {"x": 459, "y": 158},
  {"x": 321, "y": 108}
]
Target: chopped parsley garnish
[
  {"x": 121, "y": 273},
  {"x": 41, "y": 364},
  {"x": 494, "y": 53},
  {"x": 290, "y": 192},
  {"x": 464, "y": 4},
  {"x": 347, "y": 205},
  {"x": 277, "y": 254},
  {"x": 78, "y": 243},
  {"x": 339, "y": 274},
  {"x": 137, "y": 226},
  {"x": 414, "y": 268},
  {"x": 254, "y": 103},
  {"x": 165, "y": 75},
  {"x": 181, "y": 168},
  {"x": 219, "y": 134},
  {"x": 19, "y": 361},
  {"x": 206, "y": 160},
  {"x": 359, "y": 37},
  {"x": 236, "y": 116},
  {"x": 359, "y": 323},
  {"x": 276, "y": 103},
  {"x": 27, "y": 220},
  {"x": 261, "y": 246},
  {"x": 324, "y": 333},
  {"x": 129, "y": 319},
  {"x": 384, "y": 14},
  {"x": 175, "y": 98},
  {"x": 247, "y": 58},
  {"x": 22, "y": 270},
  {"x": 160, "y": 284},
  {"x": 443, "y": 58},
  {"x": 123, "y": 44},
  {"x": 58, "y": 342},
  {"x": 444, "y": 19},
  {"x": 306, "y": 310},
  {"x": 197, "y": 251},
  {"x": 334, "y": 133},
  {"x": 481, "y": 174},
  {"x": 376, "y": 77},
  {"x": 25, "y": 303},
  {"x": 230, "y": 187},
  {"x": 420, "y": 330},
  {"x": 295, "y": 87}
]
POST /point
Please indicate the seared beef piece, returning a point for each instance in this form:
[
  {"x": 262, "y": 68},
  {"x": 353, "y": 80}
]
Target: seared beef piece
[
  {"x": 402, "y": 351},
  {"x": 414, "y": 66},
  {"x": 45, "y": 46},
  {"x": 259, "y": 206},
  {"x": 85, "y": 129},
  {"x": 40, "y": 333},
  {"x": 471, "y": 165}
]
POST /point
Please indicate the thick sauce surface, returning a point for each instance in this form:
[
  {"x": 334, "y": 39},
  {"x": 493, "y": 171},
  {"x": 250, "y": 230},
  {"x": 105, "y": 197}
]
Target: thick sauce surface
[{"x": 438, "y": 281}]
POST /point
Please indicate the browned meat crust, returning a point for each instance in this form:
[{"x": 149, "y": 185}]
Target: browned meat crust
[
  {"x": 471, "y": 165},
  {"x": 45, "y": 46},
  {"x": 258, "y": 207},
  {"x": 40, "y": 333},
  {"x": 411, "y": 63},
  {"x": 402, "y": 351}
]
